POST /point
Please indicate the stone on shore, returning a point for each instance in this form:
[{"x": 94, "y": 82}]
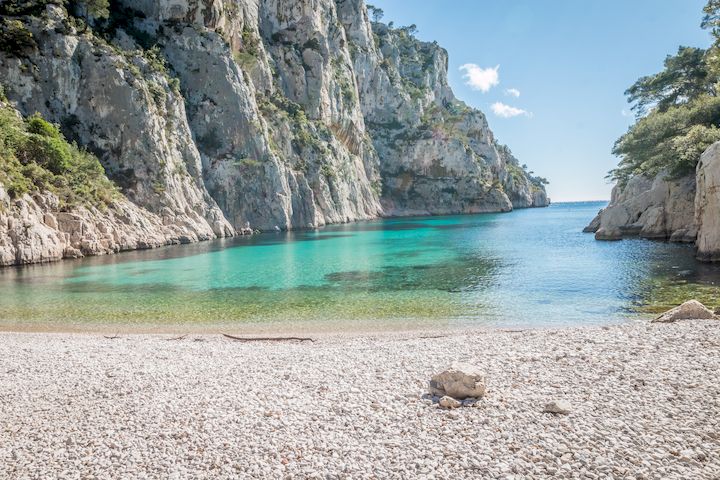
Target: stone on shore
[
  {"x": 449, "y": 402},
  {"x": 690, "y": 310},
  {"x": 559, "y": 407},
  {"x": 460, "y": 381}
]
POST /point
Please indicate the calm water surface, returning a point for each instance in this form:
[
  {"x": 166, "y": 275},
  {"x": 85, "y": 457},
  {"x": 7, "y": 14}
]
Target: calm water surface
[{"x": 525, "y": 268}]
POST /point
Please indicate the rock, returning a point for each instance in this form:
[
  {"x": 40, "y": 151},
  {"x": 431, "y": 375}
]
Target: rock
[
  {"x": 449, "y": 402},
  {"x": 460, "y": 381},
  {"x": 594, "y": 225},
  {"x": 690, "y": 310},
  {"x": 653, "y": 208},
  {"x": 558, "y": 407},
  {"x": 707, "y": 204}
]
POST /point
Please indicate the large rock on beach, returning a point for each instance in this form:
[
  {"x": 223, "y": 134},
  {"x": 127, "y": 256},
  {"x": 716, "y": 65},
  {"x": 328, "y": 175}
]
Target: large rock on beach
[
  {"x": 690, "y": 310},
  {"x": 460, "y": 381}
]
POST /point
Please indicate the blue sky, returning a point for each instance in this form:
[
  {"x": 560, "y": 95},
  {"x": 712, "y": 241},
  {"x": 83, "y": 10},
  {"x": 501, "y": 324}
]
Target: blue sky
[{"x": 570, "y": 61}]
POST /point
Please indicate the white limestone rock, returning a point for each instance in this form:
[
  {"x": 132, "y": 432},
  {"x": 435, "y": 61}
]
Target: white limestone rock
[
  {"x": 460, "y": 381},
  {"x": 449, "y": 402},
  {"x": 690, "y": 310},
  {"x": 654, "y": 208},
  {"x": 707, "y": 204},
  {"x": 267, "y": 114},
  {"x": 558, "y": 407}
]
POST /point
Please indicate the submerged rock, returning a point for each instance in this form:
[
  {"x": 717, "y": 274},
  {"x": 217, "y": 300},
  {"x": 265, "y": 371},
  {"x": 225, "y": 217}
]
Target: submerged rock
[
  {"x": 460, "y": 381},
  {"x": 690, "y": 310}
]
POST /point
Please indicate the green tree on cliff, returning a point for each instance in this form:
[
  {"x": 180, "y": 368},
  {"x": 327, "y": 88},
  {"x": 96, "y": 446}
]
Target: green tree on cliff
[
  {"x": 678, "y": 111},
  {"x": 91, "y": 8}
]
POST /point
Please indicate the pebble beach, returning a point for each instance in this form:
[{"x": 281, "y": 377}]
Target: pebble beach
[{"x": 644, "y": 402}]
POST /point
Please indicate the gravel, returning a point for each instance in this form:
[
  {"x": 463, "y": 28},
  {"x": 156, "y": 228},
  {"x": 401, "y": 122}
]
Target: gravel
[{"x": 645, "y": 404}]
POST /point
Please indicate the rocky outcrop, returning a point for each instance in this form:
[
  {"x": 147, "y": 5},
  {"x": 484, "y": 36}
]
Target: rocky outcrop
[
  {"x": 678, "y": 210},
  {"x": 690, "y": 310},
  {"x": 654, "y": 208},
  {"x": 707, "y": 204},
  {"x": 286, "y": 150},
  {"x": 216, "y": 116},
  {"x": 36, "y": 229}
]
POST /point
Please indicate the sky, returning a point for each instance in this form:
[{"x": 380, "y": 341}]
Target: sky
[{"x": 550, "y": 75}]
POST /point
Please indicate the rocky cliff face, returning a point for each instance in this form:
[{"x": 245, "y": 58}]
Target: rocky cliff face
[
  {"x": 437, "y": 155},
  {"x": 707, "y": 205},
  {"x": 678, "y": 210},
  {"x": 213, "y": 116},
  {"x": 654, "y": 208}
]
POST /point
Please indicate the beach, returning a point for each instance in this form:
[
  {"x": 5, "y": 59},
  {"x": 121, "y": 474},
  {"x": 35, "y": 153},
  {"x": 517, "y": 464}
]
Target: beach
[{"x": 644, "y": 398}]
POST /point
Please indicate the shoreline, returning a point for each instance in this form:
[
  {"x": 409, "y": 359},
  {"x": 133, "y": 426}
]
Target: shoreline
[
  {"x": 644, "y": 402},
  {"x": 335, "y": 328}
]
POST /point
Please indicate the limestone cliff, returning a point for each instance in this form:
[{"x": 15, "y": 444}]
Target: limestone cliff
[
  {"x": 437, "y": 155},
  {"x": 678, "y": 210},
  {"x": 215, "y": 116},
  {"x": 655, "y": 208},
  {"x": 707, "y": 204}
]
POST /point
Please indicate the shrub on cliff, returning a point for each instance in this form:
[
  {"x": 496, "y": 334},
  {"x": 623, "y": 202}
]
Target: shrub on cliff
[
  {"x": 15, "y": 39},
  {"x": 35, "y": 157}
]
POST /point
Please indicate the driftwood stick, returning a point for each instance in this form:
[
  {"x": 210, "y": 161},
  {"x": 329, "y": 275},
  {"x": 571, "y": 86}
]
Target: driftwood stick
[
  {"x": 268, "y": 339},
  {"x": 423, "y": 337},
  {"x": 181, "y": 337}
]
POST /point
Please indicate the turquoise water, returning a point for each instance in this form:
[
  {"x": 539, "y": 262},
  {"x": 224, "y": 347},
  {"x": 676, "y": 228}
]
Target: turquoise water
[{"x": 528, "y": 267}]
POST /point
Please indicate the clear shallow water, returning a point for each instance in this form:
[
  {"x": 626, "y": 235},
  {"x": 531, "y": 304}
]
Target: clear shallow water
[{"x": 525, "y": 268}]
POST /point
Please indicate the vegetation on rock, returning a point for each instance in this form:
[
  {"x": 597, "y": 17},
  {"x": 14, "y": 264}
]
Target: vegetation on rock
[
  {"x": 35, "y": 157},
  {"x": 678, "y": 111}
]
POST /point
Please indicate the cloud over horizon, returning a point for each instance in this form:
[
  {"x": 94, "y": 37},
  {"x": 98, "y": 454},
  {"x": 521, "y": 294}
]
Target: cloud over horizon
[
  {"x": 513, "y": 92},
  {"x": 506, "y": 111},
  {"x": 478, "y": 78}
]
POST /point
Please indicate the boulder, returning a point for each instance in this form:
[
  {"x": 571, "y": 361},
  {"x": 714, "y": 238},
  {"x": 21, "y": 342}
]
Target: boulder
[
  {"x": 690, "y": 310},
  {"x": 558, "y": 407},
  {"x": 460, "y": 381}
]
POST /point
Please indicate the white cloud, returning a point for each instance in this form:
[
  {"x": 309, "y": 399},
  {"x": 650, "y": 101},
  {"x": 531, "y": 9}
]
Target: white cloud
[
  {"x": 513, "y": 92},
  {"x": 506, "y": 111},
  {"x": 625, "y": 113},
  {"x": 479, "y": 78}
]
